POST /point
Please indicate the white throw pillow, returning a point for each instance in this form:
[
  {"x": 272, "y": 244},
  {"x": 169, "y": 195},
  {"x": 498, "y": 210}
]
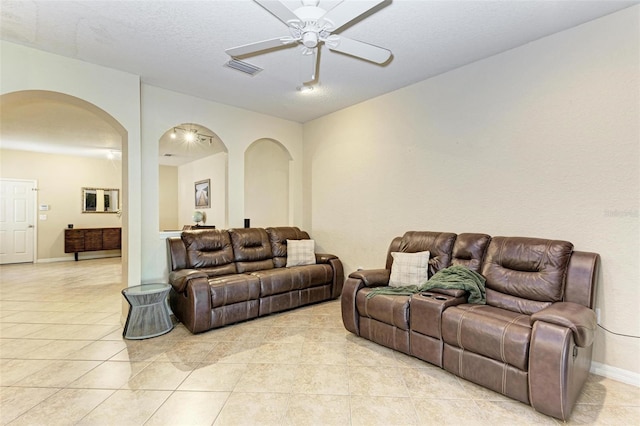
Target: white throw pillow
[
  {"x": 409, "y": 268},
  {"x": 301, "y": 252}
]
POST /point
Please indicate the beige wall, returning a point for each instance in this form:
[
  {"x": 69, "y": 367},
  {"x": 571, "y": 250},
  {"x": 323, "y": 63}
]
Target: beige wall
[
  {"x": 266, "y": 184},
  {"x": 168, "y": 198},
  {"x": 542, "y": 140},
  {"x": 59, "y": 182},
  {"x": 213, "y": 168}
]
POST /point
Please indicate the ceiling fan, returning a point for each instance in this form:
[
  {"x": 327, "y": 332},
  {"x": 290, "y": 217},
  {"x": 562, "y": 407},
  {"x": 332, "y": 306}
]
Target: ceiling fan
[{"x": 311, "y": 26}]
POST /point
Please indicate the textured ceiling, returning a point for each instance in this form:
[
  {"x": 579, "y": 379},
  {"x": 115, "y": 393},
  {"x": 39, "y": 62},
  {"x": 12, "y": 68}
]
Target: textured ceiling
[{"x": 179, "y": 45}]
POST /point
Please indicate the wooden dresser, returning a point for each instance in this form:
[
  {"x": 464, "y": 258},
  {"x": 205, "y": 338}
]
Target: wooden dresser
[{"x": 78, "y": 240}]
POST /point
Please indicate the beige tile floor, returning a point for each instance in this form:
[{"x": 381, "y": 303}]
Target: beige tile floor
[{"x": 63, "y": 361}]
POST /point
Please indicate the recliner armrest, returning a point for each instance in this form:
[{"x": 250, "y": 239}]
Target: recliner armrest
[
  {"x": 453, "y": 292},
  {"x": 372, "y": 277},
  {"x": 580, "y": 319},
  {"x": 179, "y": 279}
]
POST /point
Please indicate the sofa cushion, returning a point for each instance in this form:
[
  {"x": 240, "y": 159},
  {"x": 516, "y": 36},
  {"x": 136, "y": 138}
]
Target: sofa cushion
[
  {"x": 496, "y": 333},
  {"x": 252, "y": 249},
  {"x": 439, "y": 244},
  {"x": 232, "y": 289},
  {"x": 210, "y": 251},
  {"x": 409, "y": 269},
  {"x": 278, "y": 237},
  {"x": 525, "y": 274},
  {"x": 282, "y": 280},
  {"x": 300, "y": 252}
]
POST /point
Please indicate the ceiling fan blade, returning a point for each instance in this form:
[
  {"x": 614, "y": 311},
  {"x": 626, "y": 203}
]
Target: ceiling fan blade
[
  {"x": 259, "y": 46},
  {"x": 347, "y": 11},
  {"x": 309, "y": 64},
  {"x": 359, "y": 49},
  {"x": 279, "y": 10}
]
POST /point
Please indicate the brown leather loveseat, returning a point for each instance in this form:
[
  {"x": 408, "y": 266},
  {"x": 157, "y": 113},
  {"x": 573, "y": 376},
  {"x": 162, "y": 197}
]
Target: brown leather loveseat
[
  {"x": 220, "y": 277},
  {"x": 531, "y": 341}
]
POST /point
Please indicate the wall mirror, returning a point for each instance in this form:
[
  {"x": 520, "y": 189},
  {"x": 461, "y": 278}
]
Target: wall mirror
[{"x": 100, "y": 200}]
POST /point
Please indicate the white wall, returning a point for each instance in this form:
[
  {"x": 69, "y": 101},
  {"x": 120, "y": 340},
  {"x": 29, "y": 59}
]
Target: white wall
[
  {"x": 116, "y": 93},
  {"x": 542, "y": 140}
]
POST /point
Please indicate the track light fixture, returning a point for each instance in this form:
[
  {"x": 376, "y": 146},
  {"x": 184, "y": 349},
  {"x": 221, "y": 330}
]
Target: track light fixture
[{"x": 191, "y": 135}]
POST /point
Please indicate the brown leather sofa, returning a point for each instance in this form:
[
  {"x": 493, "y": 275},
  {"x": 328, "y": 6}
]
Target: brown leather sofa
[
  {"x": 220, "y": 277},
  {"x": 532, "y": 341}
]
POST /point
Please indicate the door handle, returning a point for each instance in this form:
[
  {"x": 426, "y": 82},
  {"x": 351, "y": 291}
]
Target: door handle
[{"x": 30, "y": 226}]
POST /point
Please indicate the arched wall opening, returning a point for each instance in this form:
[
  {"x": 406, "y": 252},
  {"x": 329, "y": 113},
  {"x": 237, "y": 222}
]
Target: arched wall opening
[
  {"x": 192, "y": 160},
  {"x": 64, "y": 143},
  {"x": 267, "y": 173}
]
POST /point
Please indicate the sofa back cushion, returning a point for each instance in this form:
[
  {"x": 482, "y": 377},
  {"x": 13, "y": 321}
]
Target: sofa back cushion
[
  {"x": 469, "y": 250},
  {"x": 438, "y": 244},
  {"x": 525, "y": 274},
  {"x": 278, "y": 237},
  {"x": 209, "y": 250},
  {"x": 252, "y": 249}
]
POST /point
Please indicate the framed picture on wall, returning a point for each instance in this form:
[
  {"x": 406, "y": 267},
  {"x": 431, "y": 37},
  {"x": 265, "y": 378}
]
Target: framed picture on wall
[{"x": 202, "y": 193}]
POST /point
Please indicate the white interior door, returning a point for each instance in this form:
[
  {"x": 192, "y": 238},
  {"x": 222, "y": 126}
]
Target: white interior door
[{"x": 17, "y": 221}]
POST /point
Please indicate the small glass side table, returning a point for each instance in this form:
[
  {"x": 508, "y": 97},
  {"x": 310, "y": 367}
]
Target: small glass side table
[{"x": 148, "y": 313}]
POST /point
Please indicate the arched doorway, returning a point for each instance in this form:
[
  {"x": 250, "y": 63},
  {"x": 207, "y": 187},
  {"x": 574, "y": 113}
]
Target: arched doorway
[
  {"x": 72, "y": 144},
  {"x": 266, "y": 183}
]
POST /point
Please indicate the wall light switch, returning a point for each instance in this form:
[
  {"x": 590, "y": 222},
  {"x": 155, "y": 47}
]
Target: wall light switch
[
  {"x": 43, "y": 217},
  {"x": 44, "y": 207}
]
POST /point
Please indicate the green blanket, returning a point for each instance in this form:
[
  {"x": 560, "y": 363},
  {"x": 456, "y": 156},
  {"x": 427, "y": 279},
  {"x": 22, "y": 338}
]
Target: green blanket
[{"x": 453, "y": 277}]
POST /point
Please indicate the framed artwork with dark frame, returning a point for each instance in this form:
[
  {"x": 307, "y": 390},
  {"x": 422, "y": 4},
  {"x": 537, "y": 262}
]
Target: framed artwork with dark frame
[{"x": 202, "y": 193}]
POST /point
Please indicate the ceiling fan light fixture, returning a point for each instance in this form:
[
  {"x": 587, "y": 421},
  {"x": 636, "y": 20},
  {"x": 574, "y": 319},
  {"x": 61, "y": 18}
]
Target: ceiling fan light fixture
[
  {"x": 304, "y": 89},
  {"x": 310, "y": 39}
]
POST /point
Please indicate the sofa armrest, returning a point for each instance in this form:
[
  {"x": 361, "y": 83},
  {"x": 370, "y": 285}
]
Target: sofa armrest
[
  {"x": 192, "y": 304},
  {"x": 338, "y": 272},
  {"x": 372, "y": 277},
  {"x": 180, "y": 278},
  {"x": 324, "y": 257},
  {"x": 580, "y": 319}
]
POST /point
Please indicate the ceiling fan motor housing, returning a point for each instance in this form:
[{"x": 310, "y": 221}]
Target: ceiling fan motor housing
[{"x": 310, "y": 31}]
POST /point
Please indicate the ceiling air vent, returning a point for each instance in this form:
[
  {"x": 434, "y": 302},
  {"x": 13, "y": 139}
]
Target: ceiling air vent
[{"x": 243, "y": 66}]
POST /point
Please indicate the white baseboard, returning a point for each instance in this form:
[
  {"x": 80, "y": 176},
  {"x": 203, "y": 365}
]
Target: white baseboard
[{"x": 615, "y": 373}]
